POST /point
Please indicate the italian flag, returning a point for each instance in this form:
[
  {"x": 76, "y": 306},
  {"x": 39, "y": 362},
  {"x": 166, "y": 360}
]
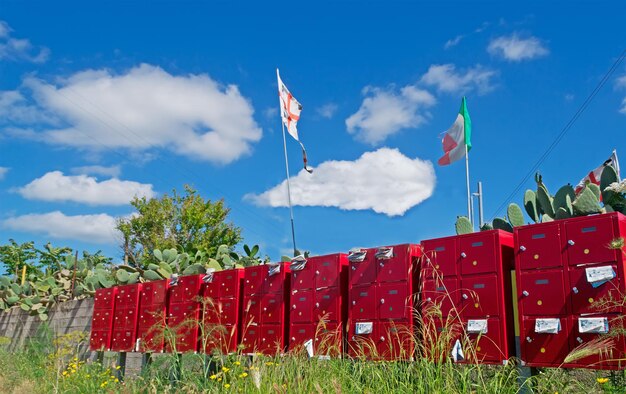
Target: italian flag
[{"x": 457, "y": 137}]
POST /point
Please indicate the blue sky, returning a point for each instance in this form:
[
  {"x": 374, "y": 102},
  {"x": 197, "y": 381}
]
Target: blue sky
[{"x": 98, "y": 103}]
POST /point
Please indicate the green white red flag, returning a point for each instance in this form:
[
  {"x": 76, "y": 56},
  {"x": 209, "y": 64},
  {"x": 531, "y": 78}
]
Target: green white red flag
[
  {"x": 457, "y": 138},
  {"x": 594, "y": 175}
]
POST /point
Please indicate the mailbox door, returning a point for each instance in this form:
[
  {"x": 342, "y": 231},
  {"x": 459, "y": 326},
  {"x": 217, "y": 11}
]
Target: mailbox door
[
  {"x": 304, "y": 278},
  {"x": 443, "y": 255},
  {"x": 251, "y": 310},
  {"x": 127, "y": 296},
  {"x": 299, "y": 333},
  {"x": 364, "y": 344},
  {"x": 539, "y": 246},
  {"x": 480, "y": 296},
  {"x": 251, "y": 338},
  {"x": 153, "y": 293},
  {"x": 229, "y": 283},
  {"x": 123, "y": 341},
  {"x": 150, "y": 315},
  {"x": 588, "y": 238},
  {"x": 441, "y": 293},
  {"x": 230, "y": 310},
  {"x": 275, "y": 283},
  {"x": 544, "y": 349},
  {"x": 150, "y": 339},
  {"x": 328, "y": 270},
  {"x": 363, "y": 272},
  {"x": 120, "y": 318},
  {"x": 254, "y": 278},
  {"x": 100, "y": 340},
  {"x": 480, "y": 254},
  {"x": 190, "y": 286},
  {"x": 395, "y": 340},
  {"x": 394, "y": 301},
  {"x": 542, "y": 293},
  {"x": 105, "y": 298},
  {"x": 327, "y": 305},
  {"x": 102, "y": 319},
  {"x": 272, "y": 339},
  {"x": 489, "y": 347},
  {"x": 301, "y": 309},
  {"x": 328, "y": 339},
  {"x": 185, "y": 314},
  {"x": 611, "y": 355},
  {"x": 212, "y": 289},
  {"x": 604, "y": 298},
  {"x": 397, "y": 268},
  {"x": 272, "y": 308},
  {"x": 363, "y": 303}
]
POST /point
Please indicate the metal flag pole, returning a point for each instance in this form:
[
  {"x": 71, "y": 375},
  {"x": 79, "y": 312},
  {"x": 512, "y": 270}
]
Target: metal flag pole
[
  {"x": 293, "y": 231},
  {"x": 469, "y": 194},
  {"x": 480, "y": 203}
]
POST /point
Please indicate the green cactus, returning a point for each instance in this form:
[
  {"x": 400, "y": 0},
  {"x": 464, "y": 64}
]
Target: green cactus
[
  {"x": 515, "y": 215},
  {"x": 609, "y": 175},
  {"x": 586, "y": 203},
  {"x": 562, "y": 213},
  {"x": 463, "y": 225},
  {"x": 595, "y": 189},
  {"x": 545, "y": 200},
  {"x": 560, "y": 198},
  {"x": 152, "y": 275},
  {"x": 194, "y": 269},
  {"x": 122, "y": 276},
  {"x": 545, "y": 218},
  {"x": 502, "y": 224},
  {"x": 530, "y": 204},
  {"x": 486, "y": 227}
]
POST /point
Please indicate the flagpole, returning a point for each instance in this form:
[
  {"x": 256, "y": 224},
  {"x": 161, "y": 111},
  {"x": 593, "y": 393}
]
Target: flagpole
[
  {"x": 293, "y": 231},
  {"x": 467, "y": 179}
]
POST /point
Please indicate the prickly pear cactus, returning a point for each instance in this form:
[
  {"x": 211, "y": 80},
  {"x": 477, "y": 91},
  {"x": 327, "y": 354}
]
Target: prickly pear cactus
[
  {"x": 502, "y": 224},
  {"x": 545, "y": 200},
  {"x": 530, "y": 204},
  {"x": 515, "y": 215},
  {"x": 463, "y": 225},
  {"x": 561, "y": 198},
  {"x": 586, "y": 203}
]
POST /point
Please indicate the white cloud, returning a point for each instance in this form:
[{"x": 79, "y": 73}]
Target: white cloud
[
  {"x": 327, "y": 110},
  {"x": 3, "y": 172},
  {"x": 384, "y": 112},
  {"x": 270, "y": 112},
  {"x": 99, "y": 228},
  {"x": 145, "y": 108},
  {"x": 14, "y": 107},
  {"x": 17, "y": 49},
  {"x": 55, "y": 186},
  {"x": 445, "y": 78},
  {"x": 516, "y": 49},
  {"x": 111, "y": 171},
  {"x": 620, "y": 83},
  {"x": 384, "y": 181},
  {"x": 453, "y": 42}
]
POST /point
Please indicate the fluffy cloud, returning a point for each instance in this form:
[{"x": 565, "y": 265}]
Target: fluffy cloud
[
  {"x": 327, "y": 110},
  {"x": 3, "y": 172},
  {"x": 384, "y": 112},
  {"x": 400, "y": 184},
  {"x": 99, "y": 229},
  {"x": 145, "y": 108},
  {"x": 620, "y": 83},
  {"x": 55, "y": 186},
  {"x": 445, "y": 78},
  {"x": 516, "y": 49},
  {"x": 19, "y": 49},
  {"x": 453, "y": 42},
  {"x": 112, "y": 171}
]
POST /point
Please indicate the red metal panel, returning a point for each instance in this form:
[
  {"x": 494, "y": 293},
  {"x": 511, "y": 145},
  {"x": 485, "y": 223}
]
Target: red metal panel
[
  {"x": 105, "y": 298},
  {"x": 304, "y": 278},
  {"x": 183, "y": 319},
  {"x": 251, "y": 310},
  {"x": 151, "y": 338},
  {"x": 301, "y": 310},
  {"x": 363, "y": 272},
  {"x": 230, "y": 310},
  {"x": 212, "y": 310},
  {"x": 544, "y": 349},
  {"x": 327, "y": 305},
  {"x": 542, "y": 293},
  {"x": 102, "y": 320},
  {"x": 396, "y": 340},
  {"x": 604, "y": 298},
  {"x": 125, "y": 318},
  {"x": 154, "y": 292},
  {"x": 441, "y": 255},
  {"x": 275, "y": 277},
  {"x": 328, "y": 269},
  {"x": 123, "y": 341},
  {"x": 479, "y": 296},
  {"x": 588, "y": 239},
  {"x": 211, "y": 289},
  {"x": 539, "y": 246},
  {"x": 394, "y": 301},
  {"x": 478, "y": 253},
  {"x": 150, "y": 315},
  {"x": 397, "y": 267},
  {"x": 272, "y": 339},
  {"x": 251, "y": 338},
  {"x": 442, "y": 294},
  {"x": 610, "y": 353},
  {"x": 100, "y": 340},
  {"x": 362, "y": 344},
  {"x": 272, "y": 308},
  {"x": 127, "y": 295},
  {"x": 487, "y": 347},
  {"x": 253, "y": 279},
  {"x": 229, "y": 282},
  {"x": 299, "y": 333},
  {"x": 363, "y": 305}
]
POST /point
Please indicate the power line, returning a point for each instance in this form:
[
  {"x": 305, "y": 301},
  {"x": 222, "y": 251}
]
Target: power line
[{"x": 563, "y": 132}]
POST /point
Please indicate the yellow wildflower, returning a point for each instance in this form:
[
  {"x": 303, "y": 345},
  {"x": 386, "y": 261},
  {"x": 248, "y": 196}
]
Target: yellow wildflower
[
  {"x": 213, "y": 377},
  {"x": 237, "y": 363},
  {"x": 602, "y": 380},
  {"x": 225, "y": 369},
  {"x": 219, "y": 379},
  {"x": 243, "y": 375},
  {"x": 269, "y": 363},
  {"x": 227, "y": 385},
  {"x": 118, "y": 367}
]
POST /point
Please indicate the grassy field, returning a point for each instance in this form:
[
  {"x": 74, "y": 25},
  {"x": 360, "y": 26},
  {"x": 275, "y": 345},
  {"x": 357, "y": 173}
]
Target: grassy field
[{"x": 49, "y": 365}]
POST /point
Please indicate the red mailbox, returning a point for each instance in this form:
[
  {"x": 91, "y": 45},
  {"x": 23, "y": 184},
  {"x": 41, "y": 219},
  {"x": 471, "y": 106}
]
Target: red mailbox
[
  {"x": 588, "y": 330},
  {"x": 478, "y": 254},
  {"x": 272, "y": 339},
  {"x": 395, "y": 302},
  {"x": 442, "y": 255},
  {"x": 391, "y": 263},
  {"x": 442, "y": 293},
  {"x": 251, "y": 338},
  {"x": 539, "y": 246},
  {"x": 123, "y": 341},
  {"x": 253, "y": 279},
  {"x": 299, "y": 334},
  {"x": 328, "y": 270},
  {"x": 102, "y": 319},
  {"x": 543, "y": 293},
  {"x": 588, "y": 239},
  {"x": 251, "y": 310},
  {"x": 272, "y": 308},
  {"x": 396, "y": 341},
  {"x": 479, "y": 296},
  {"x": 363, "y": 303},
  {"x": 600, "y": 296},
  {"x": 362, "y": 337},
  {"x": 302, "y": 306},
  {"x": 303, "y": 275},
  {"x": 105, "y": 298},
  {"x": 328, "y": 305},
  {"x": 362, "y": 266},
  {"x": 488, "y": 346},
  {"x": 545, "y": 341}
]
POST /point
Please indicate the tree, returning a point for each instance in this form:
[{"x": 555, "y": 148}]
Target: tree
[
  {"x": 186, "y": 222},
  {"x": 14, "y": 256}
]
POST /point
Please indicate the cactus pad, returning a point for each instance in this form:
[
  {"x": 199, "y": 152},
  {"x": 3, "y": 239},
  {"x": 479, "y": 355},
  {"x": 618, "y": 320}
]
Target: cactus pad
[
  {"x": 463, "y": 225},
  {"x": 515, "y": 215}
]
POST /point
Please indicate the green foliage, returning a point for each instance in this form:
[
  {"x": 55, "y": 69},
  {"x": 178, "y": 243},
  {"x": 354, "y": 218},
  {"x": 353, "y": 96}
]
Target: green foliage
[
  {"x": 515, "y": 215},
  {"x": 502, "y": 224},
  {"x": 545, "y": 200},
  {"x": 587, "y": 202},
  {"x": 463, "y": 225},
  {"x": 187, "y": 223},
  {"x": 530, "y": 204}
]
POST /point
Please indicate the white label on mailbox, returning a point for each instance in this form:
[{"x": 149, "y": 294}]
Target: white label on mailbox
[
  {"x": 599, "y": 275},
  {"x": 357, "y": 255},
  {"x": 298, "y": 263},
  {"x": 547, "y": 326},
  {"x": 273, "y": 269},
  {"x": 364, "y": 328},
  {"x": 308, "y": 345},
  {"x": 593, "y": 325},
  {"x": 384, "y": 253},
  {"x": 477, "y": 326},
  {"x": 457, "y": 352}
]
